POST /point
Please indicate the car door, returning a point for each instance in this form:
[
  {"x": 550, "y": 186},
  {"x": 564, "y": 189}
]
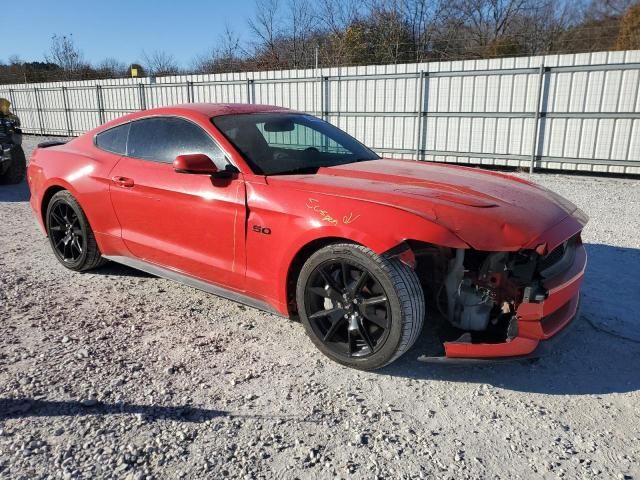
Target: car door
[{"x": 187, "y": 222}]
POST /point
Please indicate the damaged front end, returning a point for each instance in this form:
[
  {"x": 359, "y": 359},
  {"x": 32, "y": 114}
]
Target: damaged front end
[{"x": 500, "y": 304}]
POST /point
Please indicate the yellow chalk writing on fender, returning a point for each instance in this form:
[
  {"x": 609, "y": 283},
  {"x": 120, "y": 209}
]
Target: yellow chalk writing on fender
[{"x": 314, "y": 205}]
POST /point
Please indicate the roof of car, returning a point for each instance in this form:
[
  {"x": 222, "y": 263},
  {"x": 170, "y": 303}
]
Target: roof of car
[
  {"x": 207, "y": 110},
  {"x": 215, "y": 109}
]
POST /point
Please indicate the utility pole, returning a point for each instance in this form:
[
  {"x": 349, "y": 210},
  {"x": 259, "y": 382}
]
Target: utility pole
[{"x": 316, "y": 57}]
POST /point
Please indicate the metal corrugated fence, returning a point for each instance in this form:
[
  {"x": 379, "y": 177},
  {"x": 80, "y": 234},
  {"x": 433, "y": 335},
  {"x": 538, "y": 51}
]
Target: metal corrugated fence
[{"x": 569, "y": 112}]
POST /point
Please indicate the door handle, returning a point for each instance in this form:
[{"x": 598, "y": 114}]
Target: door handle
[{"x": 123, "y": 181}]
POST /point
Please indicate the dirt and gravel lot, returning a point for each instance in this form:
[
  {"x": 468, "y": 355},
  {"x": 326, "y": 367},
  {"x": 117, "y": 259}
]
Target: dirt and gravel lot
[{"x": 117, "y": 374}]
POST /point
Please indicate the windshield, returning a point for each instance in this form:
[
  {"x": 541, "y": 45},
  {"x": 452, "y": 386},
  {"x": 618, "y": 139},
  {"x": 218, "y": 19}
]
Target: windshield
[{"x": 288, "y": 143}]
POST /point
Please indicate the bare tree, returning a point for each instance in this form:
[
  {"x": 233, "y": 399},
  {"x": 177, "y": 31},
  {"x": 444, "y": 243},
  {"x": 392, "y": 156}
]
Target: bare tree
[
  {"x": 229, "y": 44},
  {"x": 600, "y": 9},
  {"x": 64, "y": 53},
  {"x": 541, "y": 30},
  {"x": 338, "y": 16},
  {"x": 159, "y": 63},
  {"x": 112, "y": 68},
  {"x": 285, "y": 34},
  {"x": 487, "y": 20},
  {"x": 629, "y": 35},
  {"x": 267, "y": 27},
  {"x": 423, "y": 17},
  {"x": 14, "y": 60},
  {"x": 481, "y": 28},
  {"x": 301, "y": 26},
  {"x": 226, "y": 57},
  {"x": 386, "y": 32}
]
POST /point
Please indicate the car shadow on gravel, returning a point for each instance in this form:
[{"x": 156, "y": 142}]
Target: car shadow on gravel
[
  {"x": 26, "y": 407},
  {"x": 117, "y": 269},
  {"x": 15, "y": 193},
  {"x": 600, "y": 355}
]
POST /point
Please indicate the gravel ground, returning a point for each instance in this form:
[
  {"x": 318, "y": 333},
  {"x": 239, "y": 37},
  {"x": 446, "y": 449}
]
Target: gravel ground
[{"x": 117, "y": 374}]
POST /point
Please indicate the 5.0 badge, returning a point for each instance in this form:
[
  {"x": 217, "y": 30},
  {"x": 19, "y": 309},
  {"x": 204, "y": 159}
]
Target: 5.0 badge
[{"x": 263, "y": 230}]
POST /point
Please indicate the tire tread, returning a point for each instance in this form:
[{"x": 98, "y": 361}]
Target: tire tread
[
  {"x": 94, "y": 258},
  {"x": 408, "y": 289}
]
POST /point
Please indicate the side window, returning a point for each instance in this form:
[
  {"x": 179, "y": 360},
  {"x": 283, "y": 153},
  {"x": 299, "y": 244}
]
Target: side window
[
  {"x": 162, "y": 139},
  {"x": 114, "y": 140}
]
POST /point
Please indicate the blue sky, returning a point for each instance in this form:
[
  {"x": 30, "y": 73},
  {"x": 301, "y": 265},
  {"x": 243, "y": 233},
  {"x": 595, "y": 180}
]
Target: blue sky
[{"x": 122, "y": 29}]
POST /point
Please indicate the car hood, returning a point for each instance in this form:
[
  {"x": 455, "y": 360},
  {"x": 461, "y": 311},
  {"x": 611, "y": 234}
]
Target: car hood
[{"x": 487, "y": 210}]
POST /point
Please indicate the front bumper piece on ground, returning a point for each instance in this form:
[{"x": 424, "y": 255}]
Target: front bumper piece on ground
[{"x": 538, "y": 323}]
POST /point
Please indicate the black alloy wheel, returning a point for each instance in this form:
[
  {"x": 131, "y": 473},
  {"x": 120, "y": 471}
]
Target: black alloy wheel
[
  {"x": 347, "y": 308},
  {"x": 70, "y": 234},
  {"x": 67, "y": 237},
  {"x": 359, "y": 308}
]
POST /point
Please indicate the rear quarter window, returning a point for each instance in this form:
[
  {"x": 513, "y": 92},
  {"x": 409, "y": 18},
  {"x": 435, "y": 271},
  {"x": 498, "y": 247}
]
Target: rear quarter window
[{"x": 114, "y": 140}]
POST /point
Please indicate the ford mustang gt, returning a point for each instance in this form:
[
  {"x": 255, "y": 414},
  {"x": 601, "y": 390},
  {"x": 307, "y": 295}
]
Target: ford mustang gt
[{"x": 282, "y": 211}]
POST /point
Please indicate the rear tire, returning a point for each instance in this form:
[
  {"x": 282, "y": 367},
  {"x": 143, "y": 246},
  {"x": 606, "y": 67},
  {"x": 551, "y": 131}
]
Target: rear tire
[
  {"x": 70, "y": 234},
  {"x": 17, "y": 167},
  {"x": 360, "y": 309}
]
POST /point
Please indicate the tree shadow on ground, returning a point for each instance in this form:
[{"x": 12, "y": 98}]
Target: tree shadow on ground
[
  {"x": 15, "y": 193},
  {"x": 26, "y": 407},
  {"x": 14, "y": 408},
  {"x": 600, "y": 355}
]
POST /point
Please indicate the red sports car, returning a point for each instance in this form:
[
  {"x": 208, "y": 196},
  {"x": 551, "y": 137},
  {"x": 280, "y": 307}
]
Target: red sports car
[{"x": 282, "y": 211}]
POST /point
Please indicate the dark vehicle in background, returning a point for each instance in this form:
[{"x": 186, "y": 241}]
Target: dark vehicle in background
[{"x": 13, "y": 164}]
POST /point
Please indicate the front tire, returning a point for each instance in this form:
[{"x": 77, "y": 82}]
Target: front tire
[
  {"x": 17, "y": 167},
  {"x": 360, "y": 309},
  {"x": 70, "y": 234}
]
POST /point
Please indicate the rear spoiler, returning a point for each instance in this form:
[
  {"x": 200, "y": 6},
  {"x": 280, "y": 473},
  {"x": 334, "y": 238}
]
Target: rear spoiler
[{"x": 52, "y": 143}]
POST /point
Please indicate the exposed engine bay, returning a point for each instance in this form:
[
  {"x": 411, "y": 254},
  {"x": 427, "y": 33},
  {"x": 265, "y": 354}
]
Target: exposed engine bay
[{"x": 477, "y": 293}]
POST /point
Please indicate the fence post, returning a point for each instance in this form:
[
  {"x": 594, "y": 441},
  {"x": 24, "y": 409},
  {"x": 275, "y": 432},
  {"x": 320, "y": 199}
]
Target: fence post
[
  {"x": 338, "y": 91},
  {"x": 38, "y": 110},
  {"x": 317, "y": 85},
  {"x": 67, "y": 113},
  {"x": 536, "y": 142},
  {"x": 12, "y": 100},
  {"x": 100, "y": 104},
  {"x": 325, "y": 98},
  {"x": 142, "y": 96},
  {"x": 190, "y": 96},
  {"x": 251, "y": 96},
  {"x": 423, "y": 79}
]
